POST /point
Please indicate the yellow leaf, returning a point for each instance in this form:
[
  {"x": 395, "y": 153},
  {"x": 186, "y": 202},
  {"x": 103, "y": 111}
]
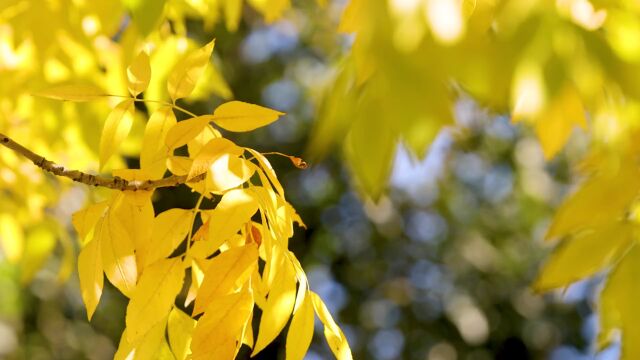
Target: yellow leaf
[
  {"x": 186, "y": 73},
  {"x": 39, "y": 244},
  {"x": 179, "y": 165},
  {"x": 73, "y": 92},
  {"x": 217, "y": 334},
  {"x": 146, "y": 347},
  {"x": 557, "y": 121},
  {"x": 169, "y": 229},
  {"x": 239, "y": 116},
  {"x": 139, "y": 74},
  {"x": 619, "y": 305},
  {"x": 116, "y": 129},
  {"x": 86, "y": 219},
  {"x": 247, "y": 336},
  {"x": 197, "y": 276},
  {"x": 154, "y": 153},
  {"x": 118, "y": 257},
  {"x": 279, "y": 306},
  {"x": 232, "y": 13},
  {"x": 206, "y": 135},
  {"x": 300, "y": 330},
  {"x": 583, "y": 255},
  {"x": 154, "y": 296},
  {"x": 90, "y": 274},
  {"x": 135, "y": 211},
  {"x": 11, "y": 238},
  {"x": 227, "y": 172},
  {"x": 180, "y": 328},
  {"x": 336, "y": 339},
  {"x": 268, "y": 170},
  {"x": 610, "y": 192},
  {"x": 211, "y": 152},
  {"x": 302, "y": 280},
  {"x": 182, "y": 132},
  {"x": 225, "y": 273},
  {"x": 234, "y": 210}
]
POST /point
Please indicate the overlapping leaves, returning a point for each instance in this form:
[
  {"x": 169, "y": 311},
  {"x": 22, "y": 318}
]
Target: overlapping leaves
[{"x": 155, "y": 259}]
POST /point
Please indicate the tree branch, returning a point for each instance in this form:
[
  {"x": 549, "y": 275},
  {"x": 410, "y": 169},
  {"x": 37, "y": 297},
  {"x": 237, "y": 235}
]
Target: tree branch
[{"x": 116, "y": 182}]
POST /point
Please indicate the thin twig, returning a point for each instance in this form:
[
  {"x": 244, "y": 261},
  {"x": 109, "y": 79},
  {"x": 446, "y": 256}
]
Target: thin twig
[{"x": 116, "y": 182}]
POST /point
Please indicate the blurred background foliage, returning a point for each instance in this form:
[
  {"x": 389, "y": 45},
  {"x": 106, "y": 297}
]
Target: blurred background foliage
[{"x": 438, "y": 266}]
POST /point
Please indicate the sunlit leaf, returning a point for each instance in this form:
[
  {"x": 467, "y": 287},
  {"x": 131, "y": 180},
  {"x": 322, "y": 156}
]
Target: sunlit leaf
[
  {"x": 239, "y": 116},
  {"x": 146, "y": 347},
  {"x": 184, "y": 131},
  {"x": 234, "y": 210},
  {"x": 210, "y": 152},
  {"x": 116, "y": 129},
  {"x": 217, "y": 333},
  {"x": 583, "y": 255},
  {"x": 139, "y": 74},
  {"x": 180, "y": 328},
  {"x": 145, "y": 13},
  {"x": 118, "y": 256},
  {"x": 39, "y": 245},
  {"x": 154, "y": 153},
  {"x": 333, "y": 334},
  {"x": 618, "y": 305},
  {"x": 73, "y": 93},
  {"x": 225, "y": 272},
  {"x": 300, "y": 331},
  {"x": 279, "y": 306},
  {"x": 154, "y": 296},
  {"x": 169, "y": 229},
  {"x": 90, "y": 274},
  {"x": 186, "y": 73},
  {"x": 86, "y": 219}
]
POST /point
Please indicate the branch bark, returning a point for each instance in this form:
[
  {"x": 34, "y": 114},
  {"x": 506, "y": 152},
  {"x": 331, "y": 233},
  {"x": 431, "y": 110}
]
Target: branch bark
[{"x": 116, "y": 182}]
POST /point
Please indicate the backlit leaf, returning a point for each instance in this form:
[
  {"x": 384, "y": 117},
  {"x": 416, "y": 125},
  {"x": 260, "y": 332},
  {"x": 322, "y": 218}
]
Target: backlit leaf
[
  {"x": 184, "y": 131},
  {"x": 300, "y": 330},
  {"x": 73, "y": 93},
  {"x": 39, "y": 244},
  {"x": 145, "y": 13},
  {"x": 154, "y": 296},
  {"x": 180, "y": 328},
  {"x": 583, "y": 255},
  {"x": 116, "y": 129},
  {"x": 169, "y": 229},
  {"x": 90, "y": 274},
  {"x": 217, "y": 333},
  {"x": 336, "y": 339},
  {"x": 225, "y": 273},
  {"x": 279, "y": 306},
  {"x": 234, "y": 210},
  {"x": 239, "y": 116},
  {"x": 187, "y": 72},
  {"x": 86, "y": 219},
  {"x": 139, "y": 73},
  {"x": 118, "y": 256},
  {"x": 619, "y": 306},
  {"x": 146, "y": 347},
  {"x": 227, "y": 172},
  {"x": 154, "y": 153},
  {"x": 210, "y": 152}
]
